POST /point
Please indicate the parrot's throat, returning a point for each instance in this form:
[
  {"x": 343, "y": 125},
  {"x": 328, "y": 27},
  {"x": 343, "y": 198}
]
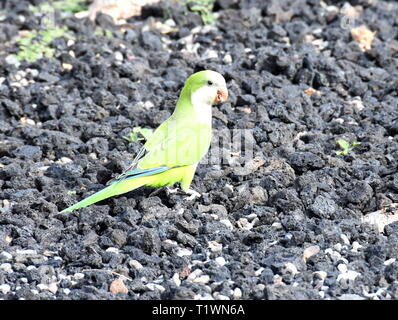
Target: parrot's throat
[
  {"x": 202, "y": 106},
  {"x": 202, "y": 112}
]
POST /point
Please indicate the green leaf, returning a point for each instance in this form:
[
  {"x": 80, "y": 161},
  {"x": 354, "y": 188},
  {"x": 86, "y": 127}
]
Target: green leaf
[
  {"x": 138, "y": 134},
  {"x": 72, "y": 6},
  {"x": 346, "y": 146},
  {"x": 132, "y": 137},
  {"x": 145, "y": 132},
  {"x": 204, "y": 8},
  {"x": 343, "y": 144}
]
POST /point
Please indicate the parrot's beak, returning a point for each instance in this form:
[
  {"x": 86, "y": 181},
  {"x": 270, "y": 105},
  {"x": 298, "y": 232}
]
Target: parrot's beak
[{"x": 222, "y": 95}]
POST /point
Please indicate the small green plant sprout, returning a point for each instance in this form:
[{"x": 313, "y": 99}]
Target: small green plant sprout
[
  {"x": 204, "y": 8},
  {"x": 66, "y": 7},
  {"x": 103, "y": 32},
  {"x": 34, "y": 45},
  {"x": 345, "y": 146},
  {"x": 138, "y": 134},
  {"x": 71, "y": 6}
]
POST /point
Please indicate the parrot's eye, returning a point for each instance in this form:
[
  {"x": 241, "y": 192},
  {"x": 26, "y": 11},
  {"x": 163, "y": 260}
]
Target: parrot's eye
[{"x": 210, "y": 83}]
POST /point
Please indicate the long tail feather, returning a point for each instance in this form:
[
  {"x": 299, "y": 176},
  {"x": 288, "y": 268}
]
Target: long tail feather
[{"x": 114, "y": 189}]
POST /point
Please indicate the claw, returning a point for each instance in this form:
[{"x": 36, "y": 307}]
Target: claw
[{"x": 193, "y": 195}]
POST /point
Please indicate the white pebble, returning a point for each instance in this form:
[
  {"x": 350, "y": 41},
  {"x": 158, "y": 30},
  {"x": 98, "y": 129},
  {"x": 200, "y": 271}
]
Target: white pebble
[
  {"x": 244, "y": 224},
  {"x": 338, "y": 246},
  {"x": 227, "y": 59},
  {"x": 6, "y": 256},
  {"x": 389, "y": 261},
  {"x": 349, "y": 275},
  {"x": 259, "y": 271},
  {"x": 118, "y": 56},
  {"x": 78, "y": 276},
  {"x": 220, "y": 261},
  {"x": 53, "y": 287},
  {"x": 310, "y": 251},
  {"x": 42, "y": 286},
  {"x": 208, "y": 54},
  {"x": 227, "y": 223},
  {"x": 321, "y": 274},
  {"x": 214, "y": 246},
  {"x": 251, "y": 216},
  {"x": 135, "y": 264},
  {"x": 148, "y": 105},
  {"x": 66, "y": 291},
  {"x": 183, "y": 252},
  {"x": 342, "y": 268},
  {"x": 194, "y": 274},
  {"x": 12, "y": 60},
  {"x": 202, "y": 279},
  {"x": 27, "y": 252},
  {"x": 237, "y": 294},
  {"x": 170, "y": 22},
  {"x": 154, "y": 286},
  {"x": 24, "y": 82},
  {"x": 176, "y": 279},
  {"x": 277, "y": 225},
  {"x": 67, "y": 66},
  {"x": 33, "y": 72},
  {"x": 6, "y": 267},
  {"x": 333, "y": 254},
  {"x": 291, "y": 268},
  {"x": 64, "y": 160},
  {"x": 5, "y": 288},
  {"x": 345, "y": 239},
  {"x": 113, "y": 250},
  {"x": 356, "y": 246}
]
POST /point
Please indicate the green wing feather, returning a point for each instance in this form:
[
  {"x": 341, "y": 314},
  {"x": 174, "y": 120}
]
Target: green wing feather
[{"x": 184, "y": 143}]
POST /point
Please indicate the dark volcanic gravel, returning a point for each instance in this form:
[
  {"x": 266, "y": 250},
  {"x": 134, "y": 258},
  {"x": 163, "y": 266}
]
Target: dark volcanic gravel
[{"x": 294, "y": 224}]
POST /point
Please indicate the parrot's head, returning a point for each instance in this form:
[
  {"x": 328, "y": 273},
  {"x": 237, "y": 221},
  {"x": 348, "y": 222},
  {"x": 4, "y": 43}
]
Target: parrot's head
[{"x": 207, "y": 87}]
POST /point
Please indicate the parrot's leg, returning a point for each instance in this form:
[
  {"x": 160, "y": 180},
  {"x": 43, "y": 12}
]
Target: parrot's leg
[
  {"x": 157, "y": 191},
  {"x": 193, "y": 195},
  {"x": 161, "y": 189}
]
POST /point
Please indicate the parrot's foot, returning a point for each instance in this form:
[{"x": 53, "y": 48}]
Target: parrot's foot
[{"x": 193, "y": 195}]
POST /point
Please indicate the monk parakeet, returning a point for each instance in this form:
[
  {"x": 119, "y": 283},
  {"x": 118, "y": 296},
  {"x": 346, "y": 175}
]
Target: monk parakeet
[{"x": 172, "y": 153}]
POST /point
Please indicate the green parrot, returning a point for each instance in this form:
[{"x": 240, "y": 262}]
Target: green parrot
[{"x": 172, "y": 153}]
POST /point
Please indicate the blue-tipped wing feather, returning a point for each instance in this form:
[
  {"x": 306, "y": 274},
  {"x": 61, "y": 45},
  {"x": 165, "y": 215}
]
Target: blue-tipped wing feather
[{"x": 135, "y": 173}]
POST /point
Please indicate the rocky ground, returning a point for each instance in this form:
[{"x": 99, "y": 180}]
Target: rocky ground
[{"x": 300, "y": 222}]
